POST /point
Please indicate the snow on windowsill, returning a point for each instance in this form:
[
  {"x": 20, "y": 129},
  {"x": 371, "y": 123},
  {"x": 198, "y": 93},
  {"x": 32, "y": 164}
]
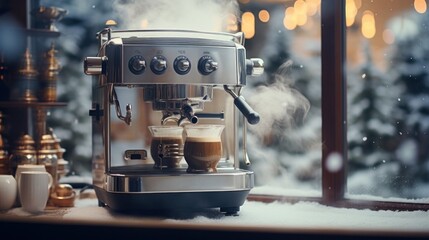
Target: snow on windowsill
[
  {"x": 303, "y": 215},
  {"x": 279, "y": 191}
]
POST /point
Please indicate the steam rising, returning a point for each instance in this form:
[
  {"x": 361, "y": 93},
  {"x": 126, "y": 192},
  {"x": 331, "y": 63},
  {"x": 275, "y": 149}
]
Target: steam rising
[
  {"x": 207, "y": 15},
  {"x": 280, "y": 106}
]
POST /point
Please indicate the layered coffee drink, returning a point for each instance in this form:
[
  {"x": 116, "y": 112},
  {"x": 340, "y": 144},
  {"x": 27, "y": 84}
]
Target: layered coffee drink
[
  {"x": 167, "y": 152},
  {"x": 202, "y": 154},
  {"x": 166, "y": 146},
  {"x": 203, "y": 147}
]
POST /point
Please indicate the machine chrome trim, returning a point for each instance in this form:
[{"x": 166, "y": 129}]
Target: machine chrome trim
[
  {"x": 180, "y": 181},
  {"x": 167, "y": 33}
]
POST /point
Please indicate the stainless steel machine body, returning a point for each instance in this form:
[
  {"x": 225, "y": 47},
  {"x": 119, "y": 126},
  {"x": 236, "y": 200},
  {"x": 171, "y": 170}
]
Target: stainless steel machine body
[{"x": 159, "y": 77}]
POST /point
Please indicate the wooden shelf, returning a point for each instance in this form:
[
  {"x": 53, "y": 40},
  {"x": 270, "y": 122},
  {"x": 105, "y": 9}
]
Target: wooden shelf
[
  {"x": 42, "y": 33},
  {"x": 19, "y": 104}
]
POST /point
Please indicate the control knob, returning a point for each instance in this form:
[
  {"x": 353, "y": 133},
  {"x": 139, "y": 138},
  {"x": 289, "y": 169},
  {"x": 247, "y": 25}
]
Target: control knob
[
  {"x": 207, "y": 65},
  {"x": 137, "y": 64},
  {"x": 158, "y": 65},
  {"x": 182, "y": 65}
]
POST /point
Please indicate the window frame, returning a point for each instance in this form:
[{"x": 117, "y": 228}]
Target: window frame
[{"x": 334, "y": 120}]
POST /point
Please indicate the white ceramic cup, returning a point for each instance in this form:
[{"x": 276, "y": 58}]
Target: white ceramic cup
[
  {"x": 34, "y": 190},
  {"x": 31, "y": 168},
  {"x": 8, "y": 191}
]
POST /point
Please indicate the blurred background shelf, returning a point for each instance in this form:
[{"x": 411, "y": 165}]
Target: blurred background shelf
[
  {"x": 42, "y": 33},
  {"x": 16, "y": 104}
]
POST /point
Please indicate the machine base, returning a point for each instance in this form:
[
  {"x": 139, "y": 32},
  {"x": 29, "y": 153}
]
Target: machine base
[{"x": 229, "y": 202}]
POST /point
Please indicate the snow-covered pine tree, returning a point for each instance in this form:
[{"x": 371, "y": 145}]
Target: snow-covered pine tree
[
  {"x": 370, "y": 123},
  {"x": 410, "y": 64},
  {"x": 371, "y": 101}
]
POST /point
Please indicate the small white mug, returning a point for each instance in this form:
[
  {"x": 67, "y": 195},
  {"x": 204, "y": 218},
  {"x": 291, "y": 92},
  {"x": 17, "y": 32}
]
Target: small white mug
[
  {"x": 32, "y": 168},
  {"x": 34, "y": 191},
  {"x": 8, "y": 191}
]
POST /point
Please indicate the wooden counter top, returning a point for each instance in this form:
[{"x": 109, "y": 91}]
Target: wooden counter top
[{"x": 87, "y": 220}]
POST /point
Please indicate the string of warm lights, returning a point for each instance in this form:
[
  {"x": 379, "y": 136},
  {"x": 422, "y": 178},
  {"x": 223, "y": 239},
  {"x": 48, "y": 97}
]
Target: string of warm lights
[
  {"x": 299, "y": 14},
  {"x": 420, "y": 6}
]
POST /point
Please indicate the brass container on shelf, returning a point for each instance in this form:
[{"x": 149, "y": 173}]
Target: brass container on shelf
[
  {"x": 23, "y": 153},
  {"x": 49, "y": 75},
  {"x": 4, "y": 146},
  {"x": 4, "y": 161},
  {"x": 47, "y": 16},
  {"x": 4, "y": 129},
  {"x": 26, "y": 85},
  {"x": 47, "y": 155},
  {"x": 62, "y": 165}
]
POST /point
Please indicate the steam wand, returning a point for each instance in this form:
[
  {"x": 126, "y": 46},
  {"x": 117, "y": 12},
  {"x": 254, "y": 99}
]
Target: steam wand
[
  {"x": 248, "y": 112},
  {"x": 239, "y": 101}
]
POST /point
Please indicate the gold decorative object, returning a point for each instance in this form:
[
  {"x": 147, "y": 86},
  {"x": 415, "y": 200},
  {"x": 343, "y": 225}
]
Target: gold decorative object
[
  {"x": 23, "y": 153},
  {"x": 4, "y": 160},
  {"x": 25, "y": 88},
  {"x": 62, "y": 168},
  {"x": 63, "y": 196},
  {"x": 47, "y": 16},
  {"x": 49, "y": 75},
  {"x": 47, "y": 155}
]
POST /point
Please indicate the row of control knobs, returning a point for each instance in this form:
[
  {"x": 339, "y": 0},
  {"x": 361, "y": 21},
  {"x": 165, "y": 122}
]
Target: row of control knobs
[{"x": 182, "y": 65}]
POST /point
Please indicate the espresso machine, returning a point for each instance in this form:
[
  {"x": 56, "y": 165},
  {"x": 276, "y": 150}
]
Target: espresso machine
[{"x": 168, "y": 77}]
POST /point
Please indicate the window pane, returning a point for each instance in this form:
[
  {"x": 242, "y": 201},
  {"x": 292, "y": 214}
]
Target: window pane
[
  {"x": 388, "y": 94},
  {"x": 285, "y": 147}
]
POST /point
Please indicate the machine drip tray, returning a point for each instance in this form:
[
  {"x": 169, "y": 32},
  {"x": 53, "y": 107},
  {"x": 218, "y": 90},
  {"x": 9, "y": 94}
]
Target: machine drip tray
[
  {"x": 156, "y": 190},
  {"x": 156, "y": 181}
]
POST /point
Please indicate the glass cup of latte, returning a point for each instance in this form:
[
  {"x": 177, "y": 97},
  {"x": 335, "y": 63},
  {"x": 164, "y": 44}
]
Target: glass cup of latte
[
  {"x": 166, "y": 146},
  {"x": 203, "y": 147}
]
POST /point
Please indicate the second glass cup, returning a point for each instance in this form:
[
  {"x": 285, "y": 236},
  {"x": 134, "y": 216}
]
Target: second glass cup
[{"x": 203, "y": 147}]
